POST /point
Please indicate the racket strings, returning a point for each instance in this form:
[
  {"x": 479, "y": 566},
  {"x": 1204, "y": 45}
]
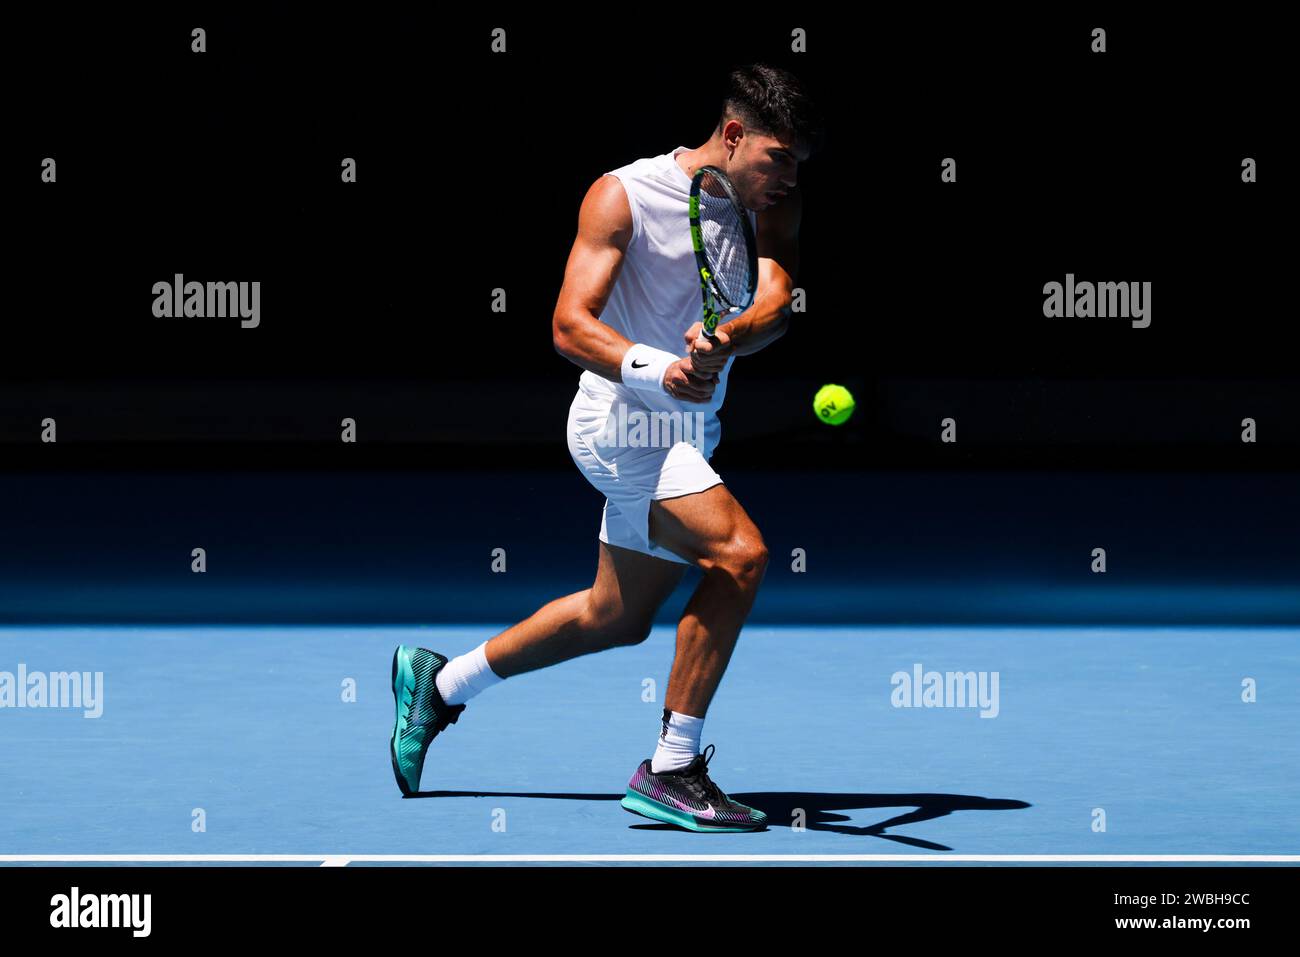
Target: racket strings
[{"x": 725, "y": 247}]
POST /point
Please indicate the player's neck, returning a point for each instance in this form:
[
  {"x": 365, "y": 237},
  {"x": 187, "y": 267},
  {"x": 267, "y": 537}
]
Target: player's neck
[{"x": 707, "y": 155}]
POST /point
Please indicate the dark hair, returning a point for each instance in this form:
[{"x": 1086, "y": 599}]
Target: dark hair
[{"x": 774, "y": 102}]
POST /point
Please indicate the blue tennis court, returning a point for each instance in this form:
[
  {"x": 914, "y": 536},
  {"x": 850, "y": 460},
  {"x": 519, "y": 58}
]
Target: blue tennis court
[{"x": 250, "y": 732}]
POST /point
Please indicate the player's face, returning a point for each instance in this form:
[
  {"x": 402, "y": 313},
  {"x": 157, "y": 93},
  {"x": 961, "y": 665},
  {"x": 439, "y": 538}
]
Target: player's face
[{"x": 764, "y": 170}]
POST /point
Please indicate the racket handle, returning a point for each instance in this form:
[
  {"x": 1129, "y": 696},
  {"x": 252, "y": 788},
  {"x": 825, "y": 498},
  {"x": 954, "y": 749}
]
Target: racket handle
[{"x": 708, "y": 328}]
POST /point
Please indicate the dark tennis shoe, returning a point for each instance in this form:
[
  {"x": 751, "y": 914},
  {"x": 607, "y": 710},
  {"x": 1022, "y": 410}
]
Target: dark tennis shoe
[
  {"x": 689, "y": 799},
  {"x": 421, "y": 712}
]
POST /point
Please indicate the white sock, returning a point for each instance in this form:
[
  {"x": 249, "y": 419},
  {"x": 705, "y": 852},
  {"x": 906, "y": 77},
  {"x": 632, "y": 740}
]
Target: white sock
[
  {"x": 465, "y": 676},
  {"x": 679, "y": 742}
]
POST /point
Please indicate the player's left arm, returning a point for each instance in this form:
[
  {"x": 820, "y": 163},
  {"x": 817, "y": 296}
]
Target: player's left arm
[{"x": 778, "y": 261}]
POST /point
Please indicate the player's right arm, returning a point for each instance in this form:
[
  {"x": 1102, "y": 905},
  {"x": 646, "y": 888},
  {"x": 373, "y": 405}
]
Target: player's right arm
[{"x": 604, "y": 231}]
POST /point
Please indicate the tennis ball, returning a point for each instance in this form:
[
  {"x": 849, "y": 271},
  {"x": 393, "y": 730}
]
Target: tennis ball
[{"x": 833, "y": 404}]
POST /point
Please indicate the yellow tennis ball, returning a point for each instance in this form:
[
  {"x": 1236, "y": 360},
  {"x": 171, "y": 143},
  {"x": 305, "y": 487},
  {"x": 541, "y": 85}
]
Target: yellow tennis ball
[{"x": 833, "y": 404}]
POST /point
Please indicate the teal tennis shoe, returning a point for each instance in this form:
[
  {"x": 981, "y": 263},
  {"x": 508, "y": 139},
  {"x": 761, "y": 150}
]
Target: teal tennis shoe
[{"x": 421, "y": 713}]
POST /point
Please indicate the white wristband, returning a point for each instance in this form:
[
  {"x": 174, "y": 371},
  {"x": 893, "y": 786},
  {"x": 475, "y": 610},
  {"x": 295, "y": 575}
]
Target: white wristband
[{"x": 644, "y": 367}]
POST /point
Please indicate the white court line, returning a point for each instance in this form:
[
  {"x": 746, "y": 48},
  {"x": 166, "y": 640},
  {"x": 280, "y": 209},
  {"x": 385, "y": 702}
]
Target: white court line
[{"x": 340, "y": 860}]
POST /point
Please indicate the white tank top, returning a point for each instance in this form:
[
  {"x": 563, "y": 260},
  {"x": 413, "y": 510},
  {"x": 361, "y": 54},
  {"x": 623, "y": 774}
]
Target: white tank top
[{"x": 656, "y": 297}]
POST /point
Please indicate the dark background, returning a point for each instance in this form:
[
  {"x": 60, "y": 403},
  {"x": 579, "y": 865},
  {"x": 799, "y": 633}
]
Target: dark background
[{"x": 924, "y": 298}]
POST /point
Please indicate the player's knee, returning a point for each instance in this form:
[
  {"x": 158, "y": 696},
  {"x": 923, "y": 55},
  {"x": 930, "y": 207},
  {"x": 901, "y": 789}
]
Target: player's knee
[
  {"x": 743, "y": 558},
  {"x": 595, "y": 624},
  {"x": 608, "y": 627},
  {"x": 631, "y": 633}
]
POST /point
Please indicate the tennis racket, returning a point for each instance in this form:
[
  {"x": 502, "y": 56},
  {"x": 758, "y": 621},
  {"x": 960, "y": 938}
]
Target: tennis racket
[{"x": 725, "y": 251}]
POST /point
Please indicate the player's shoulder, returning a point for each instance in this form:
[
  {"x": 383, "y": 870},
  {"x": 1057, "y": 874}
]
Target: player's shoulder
[
  {"x": 640, "y": 168},
  {"x": 606, "y": 210},
  {"x": 608, "y": 195}
]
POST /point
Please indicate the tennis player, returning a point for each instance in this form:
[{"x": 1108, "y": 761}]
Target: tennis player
[{"x": 626, "y": 315}]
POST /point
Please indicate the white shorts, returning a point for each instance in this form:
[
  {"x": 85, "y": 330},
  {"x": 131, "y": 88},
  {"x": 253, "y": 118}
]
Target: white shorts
[{"x": 632, "y": 474}]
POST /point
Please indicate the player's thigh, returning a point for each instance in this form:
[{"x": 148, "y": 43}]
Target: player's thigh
[
  {"x": 629, "y": 589},
  {"x": 707, "y": 528}
]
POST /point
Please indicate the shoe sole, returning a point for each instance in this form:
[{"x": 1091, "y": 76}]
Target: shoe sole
[
  {"x": 638, "y": 803},
  {"x": 397, "y": 723}
]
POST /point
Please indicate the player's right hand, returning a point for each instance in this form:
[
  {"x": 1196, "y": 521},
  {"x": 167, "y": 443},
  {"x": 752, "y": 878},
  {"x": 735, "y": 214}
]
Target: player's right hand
[{"x": 682, "y": 381}]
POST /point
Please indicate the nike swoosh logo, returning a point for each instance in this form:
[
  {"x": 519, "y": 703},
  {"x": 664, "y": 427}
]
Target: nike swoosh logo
[
  {"x": 636, "y": 365},
  {"x": 708, "y": 814}
]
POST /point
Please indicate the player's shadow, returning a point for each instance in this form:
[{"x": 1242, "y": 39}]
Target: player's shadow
[{"x": 820, "y": 809}]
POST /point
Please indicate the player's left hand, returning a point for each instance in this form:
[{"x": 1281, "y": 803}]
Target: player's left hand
[{"x": 708, "y": 355}]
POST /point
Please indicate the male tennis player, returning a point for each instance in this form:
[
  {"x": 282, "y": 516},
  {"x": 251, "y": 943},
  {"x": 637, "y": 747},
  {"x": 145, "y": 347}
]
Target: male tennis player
[{"x": 625, "y": 315}]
